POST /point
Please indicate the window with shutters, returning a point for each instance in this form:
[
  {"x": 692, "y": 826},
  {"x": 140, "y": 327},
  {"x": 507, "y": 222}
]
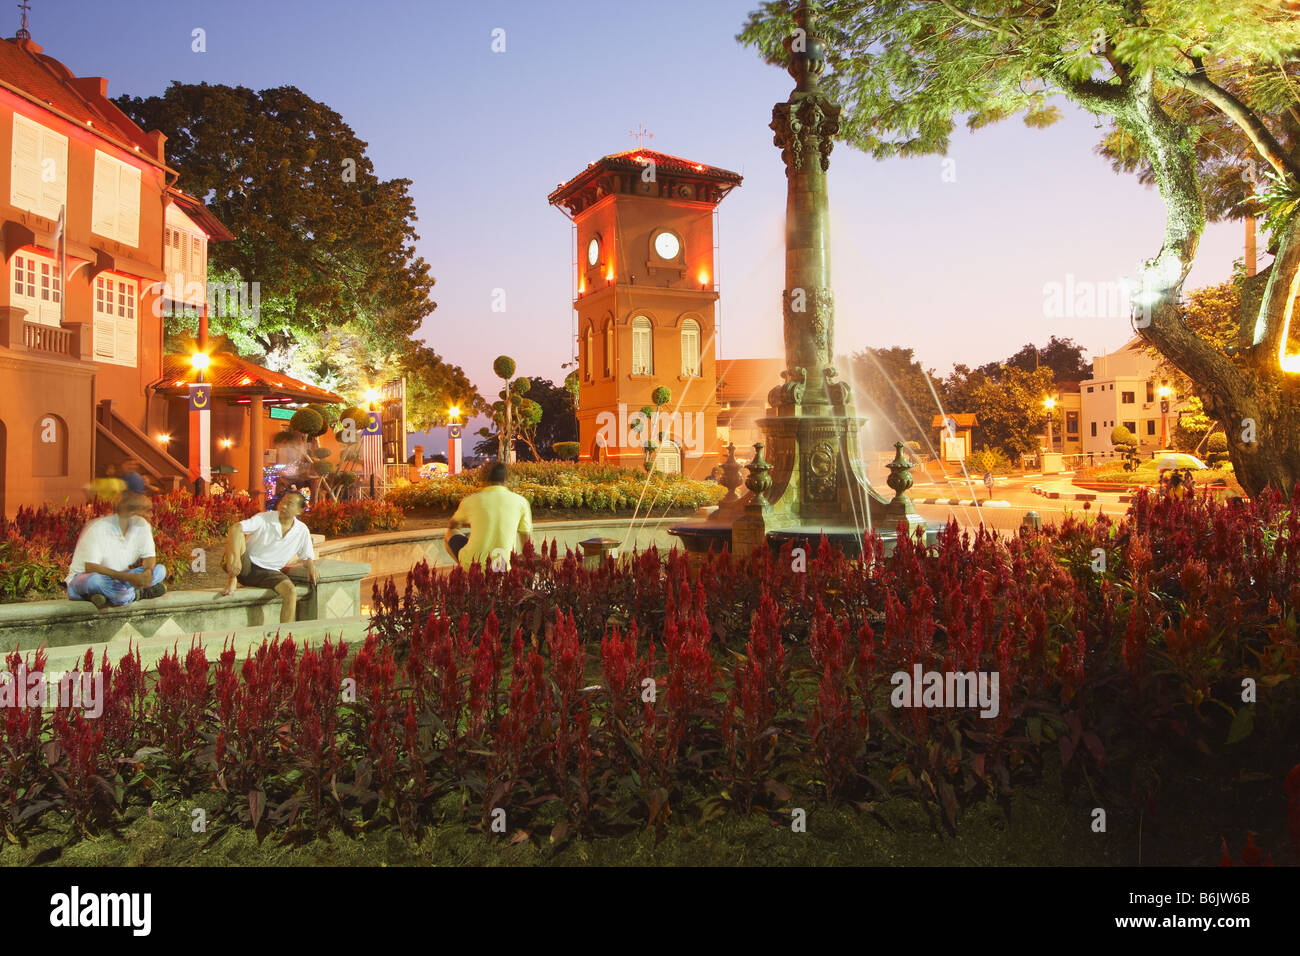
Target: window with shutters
[
  {"x": 37, "y": 288},
  {"x": 643, "y": 362},
  {"x": 115, "y": 207},
  {"x": 38, "y": 170},
  {"x": 691, "y": 348},
  {"x": 116, "y": 331}
]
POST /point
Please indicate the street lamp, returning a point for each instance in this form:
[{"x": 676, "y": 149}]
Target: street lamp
[
  {"x": 1049, "y": 403},
  {"x": 372, "y": 396},
  {"x": 454, "y": 413},
  {"x": 1164, "y": 391}
]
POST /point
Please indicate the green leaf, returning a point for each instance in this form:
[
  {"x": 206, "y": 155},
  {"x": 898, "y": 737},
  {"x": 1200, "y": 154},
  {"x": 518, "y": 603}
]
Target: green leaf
[{"x": 1242, "y": 725}]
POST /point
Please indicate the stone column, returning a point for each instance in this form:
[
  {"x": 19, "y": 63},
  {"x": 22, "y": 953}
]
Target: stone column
[
  {"x": 256, "y": 488},
  {"x": 804, "y": 128}
]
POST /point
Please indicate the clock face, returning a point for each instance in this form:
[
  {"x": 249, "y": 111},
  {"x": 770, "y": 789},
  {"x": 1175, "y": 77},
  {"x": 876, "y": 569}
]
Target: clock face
[
  {"x": 593, "y": 252},
  {"x": 667, "y": 246}
]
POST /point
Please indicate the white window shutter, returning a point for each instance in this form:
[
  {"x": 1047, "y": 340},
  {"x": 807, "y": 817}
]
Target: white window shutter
[
  {"x": 104, "y": 203},
  {"x": 54, "y": 194},
  {"x": 25, "y": 168},
  {"x": 128, "y": 205},
  {"x": 126, "y": 340},
  {"x": 105, "y": 338}
]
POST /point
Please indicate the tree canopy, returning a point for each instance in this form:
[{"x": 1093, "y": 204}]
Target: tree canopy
[
  {"x": 342, "y": 292},
  {"x": 1193, "y": 90}
]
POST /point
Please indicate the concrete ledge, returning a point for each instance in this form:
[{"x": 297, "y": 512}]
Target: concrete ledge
[
  {"x": 179, "y": 614},
  {"x": 348, "y": 630}
]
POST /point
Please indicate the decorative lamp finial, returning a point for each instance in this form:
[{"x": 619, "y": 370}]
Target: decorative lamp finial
[{"x": 23, "y": 33}]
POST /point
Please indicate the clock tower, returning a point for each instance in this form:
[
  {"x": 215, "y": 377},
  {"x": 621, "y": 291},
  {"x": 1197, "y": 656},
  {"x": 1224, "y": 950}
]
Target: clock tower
[{"x": 646, "y": 296}]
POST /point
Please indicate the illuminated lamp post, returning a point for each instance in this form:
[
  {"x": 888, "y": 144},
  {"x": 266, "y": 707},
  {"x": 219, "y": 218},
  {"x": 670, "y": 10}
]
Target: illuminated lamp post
[
  {"x": 1049, "y": 403},
  {"x": 200, "y": 450},
  {"x": 1164, "y": 391},
  {"x": 454, "y": 441}
]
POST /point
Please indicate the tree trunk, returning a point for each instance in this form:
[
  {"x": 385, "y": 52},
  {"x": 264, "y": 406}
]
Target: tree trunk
[{"x": 1248, "y": 392}]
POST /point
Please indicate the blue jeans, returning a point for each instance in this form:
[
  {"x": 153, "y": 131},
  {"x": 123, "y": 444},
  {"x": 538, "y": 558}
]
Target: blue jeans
[{"x": 117, "y": 592}]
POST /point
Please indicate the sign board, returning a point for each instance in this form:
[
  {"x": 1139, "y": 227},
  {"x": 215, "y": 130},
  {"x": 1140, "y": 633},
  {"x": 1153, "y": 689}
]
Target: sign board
[
  {"x": 282, "y": 414},
  {"x": 200, "y": 398}
]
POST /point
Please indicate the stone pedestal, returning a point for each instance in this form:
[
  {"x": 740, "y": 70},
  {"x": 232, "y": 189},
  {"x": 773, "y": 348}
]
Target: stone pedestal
[{"x": 338, "y": 594}]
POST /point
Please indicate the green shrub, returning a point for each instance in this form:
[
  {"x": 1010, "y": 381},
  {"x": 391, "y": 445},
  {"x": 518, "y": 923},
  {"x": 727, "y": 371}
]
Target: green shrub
[
  {"x": 309, "y": 421},
  {"x": 567, "y": 450},
  {"x": 561, "y": 485}
]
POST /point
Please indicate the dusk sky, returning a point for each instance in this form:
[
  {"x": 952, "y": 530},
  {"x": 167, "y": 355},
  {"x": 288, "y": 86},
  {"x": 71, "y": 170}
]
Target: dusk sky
[{"x": 955, "y": 270}]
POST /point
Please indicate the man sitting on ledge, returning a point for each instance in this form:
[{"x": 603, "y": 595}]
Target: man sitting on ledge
[
  {"x": 257, "y": 548},
  {"x": 115, "y": 561},
  {"x": 499, "y": 521}
]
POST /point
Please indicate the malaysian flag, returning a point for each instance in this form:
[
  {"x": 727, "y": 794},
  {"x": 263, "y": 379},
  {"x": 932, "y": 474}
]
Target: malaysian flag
[{"x": 372, "y": 452}]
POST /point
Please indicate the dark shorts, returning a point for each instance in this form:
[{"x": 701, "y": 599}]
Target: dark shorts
[
  {"x": 252, "y": 576},
  {"x": 457, "y": 542}
]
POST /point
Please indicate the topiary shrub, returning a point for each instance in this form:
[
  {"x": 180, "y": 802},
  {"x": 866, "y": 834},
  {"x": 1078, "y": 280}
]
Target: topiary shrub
[
  {"x": 504, "y": 366},
  {"x": 308, "y": 421},
  {"x": 1216, "y": 447},
  {"x": 567, "y": 450}
]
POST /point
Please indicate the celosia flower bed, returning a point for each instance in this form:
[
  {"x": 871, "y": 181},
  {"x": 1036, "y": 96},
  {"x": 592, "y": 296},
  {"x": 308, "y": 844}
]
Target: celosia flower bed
[
  {"x": 36, "y": 545},
  {"x": 566, "y": 486},
  {"x": 561, "y": 699}
]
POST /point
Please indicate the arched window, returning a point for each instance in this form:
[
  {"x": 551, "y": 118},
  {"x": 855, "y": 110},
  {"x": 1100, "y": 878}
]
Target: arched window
[
  {"x": 691, "y": 348},
  {"x": 643, "y": 359},
  {"x": 668, "y": 458},
  {"x": 588, "y": 358},
  {"x": 50, "y": 447},
  {"x": 609, "y": 347}
]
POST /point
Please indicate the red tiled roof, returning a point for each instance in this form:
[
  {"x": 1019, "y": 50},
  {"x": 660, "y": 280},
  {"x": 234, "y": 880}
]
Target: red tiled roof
[
  {"x": 633, "y": 160},
  {"x": 25, "y": 68},
  {"x": 743, "y": 381},
  {"x": 201, "y": 215},
  {"x": 963, "y": 420},
  {"x": 229, "y": 373}
]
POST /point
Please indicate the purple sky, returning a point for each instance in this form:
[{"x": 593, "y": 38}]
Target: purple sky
[{"x": 955, "y": 270}]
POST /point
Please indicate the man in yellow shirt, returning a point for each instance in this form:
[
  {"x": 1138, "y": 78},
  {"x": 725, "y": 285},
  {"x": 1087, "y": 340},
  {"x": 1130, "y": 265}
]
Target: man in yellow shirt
[{"x": 499, "y": 522}]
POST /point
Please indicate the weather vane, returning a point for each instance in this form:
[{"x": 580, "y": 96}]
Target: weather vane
[
  {"x": 23, "y": 32},
  {"x": 641, "y": 134}
]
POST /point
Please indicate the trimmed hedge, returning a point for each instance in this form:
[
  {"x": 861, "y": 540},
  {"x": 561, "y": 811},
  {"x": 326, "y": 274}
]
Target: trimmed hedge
[{"x": 564, "y": 485}]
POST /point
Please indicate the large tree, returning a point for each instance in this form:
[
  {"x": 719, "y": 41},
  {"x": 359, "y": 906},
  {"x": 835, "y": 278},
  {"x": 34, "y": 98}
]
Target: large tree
[
  {"x": 1064, "y": 357},
  {"x": 330, "y": 245},
  {"x": 1008, "y": 403},
  {"x": 1181, "y": 82}
]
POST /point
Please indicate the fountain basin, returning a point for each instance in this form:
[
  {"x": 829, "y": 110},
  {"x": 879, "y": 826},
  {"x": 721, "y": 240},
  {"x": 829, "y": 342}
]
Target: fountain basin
[{"x": 702, "y": 538}]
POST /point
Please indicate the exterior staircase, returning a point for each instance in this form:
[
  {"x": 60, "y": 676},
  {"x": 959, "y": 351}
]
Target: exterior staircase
[{"x": 117, "y": 440}]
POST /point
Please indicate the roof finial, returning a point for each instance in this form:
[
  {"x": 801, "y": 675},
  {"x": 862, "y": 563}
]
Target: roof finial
[
  {"x": 641, "y": 134},
  {"x": 23, "y": 33}
]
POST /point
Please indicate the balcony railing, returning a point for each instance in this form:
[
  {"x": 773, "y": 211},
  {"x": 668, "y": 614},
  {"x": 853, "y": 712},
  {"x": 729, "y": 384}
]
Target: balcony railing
[{"x": 47, "y": 338}]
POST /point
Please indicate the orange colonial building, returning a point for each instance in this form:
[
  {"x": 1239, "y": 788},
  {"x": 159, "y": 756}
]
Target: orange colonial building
[
  {"x": 645, "y": 295},
  {"x": 82, "y": 380}
]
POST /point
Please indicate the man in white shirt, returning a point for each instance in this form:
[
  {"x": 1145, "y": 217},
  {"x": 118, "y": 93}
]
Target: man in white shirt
[
  {"x": 115, "y": 561},
  {"x": 257, "y": 548},
  {"x": 499, "y": 520}
]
